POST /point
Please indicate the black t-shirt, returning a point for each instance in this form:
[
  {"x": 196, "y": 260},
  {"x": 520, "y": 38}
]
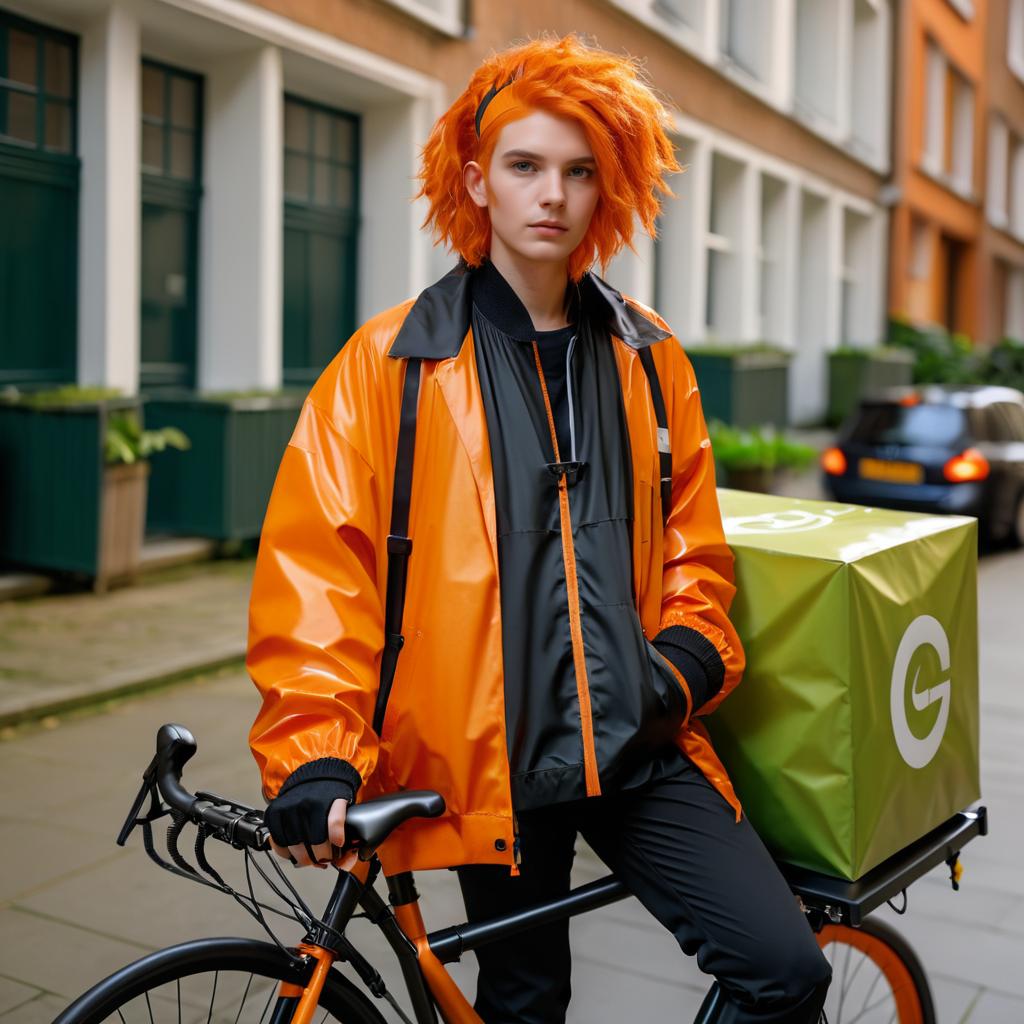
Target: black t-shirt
[{"x": 554, "y": 348}]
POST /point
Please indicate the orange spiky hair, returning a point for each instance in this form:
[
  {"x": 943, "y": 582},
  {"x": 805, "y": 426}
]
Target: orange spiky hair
[{"x": 624, "y": 122}]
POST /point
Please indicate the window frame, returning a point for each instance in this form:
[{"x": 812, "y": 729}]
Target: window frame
[{"x": 39, "y": 92}]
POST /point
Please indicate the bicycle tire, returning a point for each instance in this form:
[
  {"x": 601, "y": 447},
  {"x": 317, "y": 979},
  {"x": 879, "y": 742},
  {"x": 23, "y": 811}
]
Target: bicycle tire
[
  {"x": 894, "y": 962},
  {"x": 108, "y": 999}
]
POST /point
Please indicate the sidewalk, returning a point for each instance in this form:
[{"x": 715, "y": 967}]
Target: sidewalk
[{"x": 60, "y": 651}]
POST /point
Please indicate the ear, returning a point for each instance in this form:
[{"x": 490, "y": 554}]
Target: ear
[{"x": 476, "y": 183}]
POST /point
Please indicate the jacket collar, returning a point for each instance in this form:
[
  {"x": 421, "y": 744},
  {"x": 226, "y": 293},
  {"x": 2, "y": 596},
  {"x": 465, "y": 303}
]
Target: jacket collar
[{"x": 439, "y": 320}]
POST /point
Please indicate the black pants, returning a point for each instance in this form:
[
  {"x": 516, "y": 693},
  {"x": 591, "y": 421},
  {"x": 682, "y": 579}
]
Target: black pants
[{"x": 709, "y": 880}]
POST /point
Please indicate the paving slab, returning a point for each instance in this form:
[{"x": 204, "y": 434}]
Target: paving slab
[{"x": 61, "y": 650}]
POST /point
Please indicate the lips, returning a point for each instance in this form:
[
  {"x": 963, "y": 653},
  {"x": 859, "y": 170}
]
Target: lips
[{"x": 549, "y": 225}]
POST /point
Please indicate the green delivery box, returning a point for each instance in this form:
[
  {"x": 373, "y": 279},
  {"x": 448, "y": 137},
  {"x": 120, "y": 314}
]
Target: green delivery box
[{"x": 855, "y": 728}]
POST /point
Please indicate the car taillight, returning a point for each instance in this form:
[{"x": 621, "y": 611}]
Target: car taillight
[
  {"x": 833, "y": 461},
  {"x": 968, "y": 465}
]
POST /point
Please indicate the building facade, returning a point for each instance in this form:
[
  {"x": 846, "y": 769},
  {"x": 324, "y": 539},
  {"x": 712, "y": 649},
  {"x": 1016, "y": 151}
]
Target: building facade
[
  {"x": 1002, "y": 234},
  {"x": 211, "y": 194}
]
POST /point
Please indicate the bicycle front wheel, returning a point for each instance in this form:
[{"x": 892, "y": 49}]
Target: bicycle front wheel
[
  {"x": 876, "y": 976},
  {"x": 222, "y": 981}
]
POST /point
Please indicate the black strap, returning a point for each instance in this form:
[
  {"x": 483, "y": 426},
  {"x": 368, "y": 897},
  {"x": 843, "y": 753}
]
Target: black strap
[
  {"x": 664, "y": 443},
  {"x": 399, "y": 544}
]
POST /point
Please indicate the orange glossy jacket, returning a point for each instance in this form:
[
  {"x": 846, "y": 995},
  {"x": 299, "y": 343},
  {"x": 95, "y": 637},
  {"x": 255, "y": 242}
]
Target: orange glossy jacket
[{"x": 316, "y": 619}]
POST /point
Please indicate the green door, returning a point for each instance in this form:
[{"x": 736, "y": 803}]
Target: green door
[
  {"x": 171, "y": 191},
  {"x": 39, "y": 174},
  {"x": 320, "y": 236}
]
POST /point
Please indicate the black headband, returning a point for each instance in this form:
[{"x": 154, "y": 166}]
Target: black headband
[{"x": 491, "y": 93}]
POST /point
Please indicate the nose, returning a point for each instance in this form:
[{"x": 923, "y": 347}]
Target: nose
[{"x": 553, "y": 188}]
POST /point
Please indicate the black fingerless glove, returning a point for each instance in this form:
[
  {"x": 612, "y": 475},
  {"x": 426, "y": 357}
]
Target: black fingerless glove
[{"x": 298, "y": 814}]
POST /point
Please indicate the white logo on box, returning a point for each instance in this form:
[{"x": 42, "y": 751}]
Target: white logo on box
[
  {"x": 794, "y": 520},
  {"x": 925, "y": 630}
]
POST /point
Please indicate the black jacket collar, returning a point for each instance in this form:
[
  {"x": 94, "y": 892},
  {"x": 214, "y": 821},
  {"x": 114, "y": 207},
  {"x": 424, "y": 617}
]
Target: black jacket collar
[{"x": 439, "y": 319}]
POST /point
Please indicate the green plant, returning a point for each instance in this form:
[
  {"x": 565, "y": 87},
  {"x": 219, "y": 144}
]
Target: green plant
[
  {"x": 757, "y": 448},
  {"x": 939, "y": 357},
  {"x": 126, "y": 441},
  {"x": 59, "y": 397}
]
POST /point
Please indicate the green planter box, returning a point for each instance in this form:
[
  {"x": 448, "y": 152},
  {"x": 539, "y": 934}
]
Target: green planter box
[
  {"x": 743, "y": 387},
  {"x": 854, "y": 374},
  {"x": 51, "y": 483},
  {"x": 219, "y": 488}
]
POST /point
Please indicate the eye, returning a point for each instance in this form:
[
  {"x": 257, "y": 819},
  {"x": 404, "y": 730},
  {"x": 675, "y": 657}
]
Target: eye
[
  {"x": 522, "y": 165},
  {"x": 581, "y": 172}
]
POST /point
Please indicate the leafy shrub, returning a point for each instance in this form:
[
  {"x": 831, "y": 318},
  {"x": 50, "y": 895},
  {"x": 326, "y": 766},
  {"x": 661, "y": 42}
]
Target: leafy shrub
[
  {"x": 757, "y": 448},
  {"x": 126, "y": 441}
]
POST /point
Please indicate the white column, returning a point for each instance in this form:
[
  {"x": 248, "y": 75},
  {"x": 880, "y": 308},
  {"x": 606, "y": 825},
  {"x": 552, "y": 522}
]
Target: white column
[
  {"x": 784, "y": 52},
  {"x": 700, "y": 168},
  {"x": 109, "y": 218},
  {"x": 750, "y": 267},
  {"x": 241, "y": 236},
  {"x": 395, "y": 257}
]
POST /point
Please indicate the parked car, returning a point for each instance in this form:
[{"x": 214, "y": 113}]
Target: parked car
[{"x": 936, "y": 448}]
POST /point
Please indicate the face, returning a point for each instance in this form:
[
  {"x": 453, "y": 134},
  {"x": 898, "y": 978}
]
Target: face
[{"x": 540, "y": 190}]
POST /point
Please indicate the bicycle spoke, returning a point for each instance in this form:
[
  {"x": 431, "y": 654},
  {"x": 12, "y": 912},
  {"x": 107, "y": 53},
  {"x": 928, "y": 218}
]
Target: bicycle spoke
[
  {"x": 213, "y": 996},
  {"x": 270, "y": 999},
  {"x": 177, "y": 985},
  {"x": 150, "y": 1008},
  {"x": 245, "y": 995}
]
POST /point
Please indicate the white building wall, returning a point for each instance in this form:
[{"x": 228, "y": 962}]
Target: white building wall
[
  {"x": 241, "y": 225},
  {"x": 109, "y": 212}
]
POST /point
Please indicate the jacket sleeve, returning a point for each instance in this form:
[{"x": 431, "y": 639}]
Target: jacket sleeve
[
  {"x": 695, "y": 632},
  {"x": 316, "y": 621}
]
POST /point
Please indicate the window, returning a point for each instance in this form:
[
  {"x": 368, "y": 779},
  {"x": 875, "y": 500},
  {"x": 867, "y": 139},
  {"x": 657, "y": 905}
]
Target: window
[
  {"x": 170, "y": 122},
  {"x": 321, "y": 192},
  {"x": 1013, "y": 316},
  {"x": 949, "y": 123},
  {"x": 39, "y": 209},
  {"x": 771, "y": 283},
  {"x": 1016, "y": 187},
  {"x": 683, "y": 12},
  {"x": 1015, "y": 38},
  {"x": 171, "y": 176},
  {"x": 854, "y": 325},
  {"x": 998, "y": 172},
  {"x": 817, "y": 60},
  {"x": 744, "y": 35},
  {"x": 38, "y": 75},
  {"x": 722, "y": 303}
]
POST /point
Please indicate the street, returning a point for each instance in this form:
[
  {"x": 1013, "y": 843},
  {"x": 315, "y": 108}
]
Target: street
[{"x": 75, "y": 907}]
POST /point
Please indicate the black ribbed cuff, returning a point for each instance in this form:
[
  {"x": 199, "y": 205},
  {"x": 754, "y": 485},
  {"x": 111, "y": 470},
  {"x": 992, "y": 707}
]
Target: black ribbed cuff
[
  {"x": 333, "y": 769},
  {"x": 697, "y": 659}
]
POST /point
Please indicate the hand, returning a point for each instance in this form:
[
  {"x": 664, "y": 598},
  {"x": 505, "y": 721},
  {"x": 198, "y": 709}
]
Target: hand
[{"x": 307, "y": 825}]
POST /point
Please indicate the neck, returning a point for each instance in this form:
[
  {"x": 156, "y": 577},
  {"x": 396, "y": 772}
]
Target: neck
[{"x": 540, "y": 287}]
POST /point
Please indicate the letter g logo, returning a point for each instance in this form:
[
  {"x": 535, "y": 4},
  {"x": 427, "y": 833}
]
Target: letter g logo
[{"x": 918, "y": 752}]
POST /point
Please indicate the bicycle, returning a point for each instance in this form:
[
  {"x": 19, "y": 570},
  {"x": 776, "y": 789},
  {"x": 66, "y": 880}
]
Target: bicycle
[{"x": 299, "y": 985}]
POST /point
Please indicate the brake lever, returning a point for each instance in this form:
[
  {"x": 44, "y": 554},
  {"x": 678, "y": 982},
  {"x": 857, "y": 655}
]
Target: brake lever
[{"x": 156, "y": 806}]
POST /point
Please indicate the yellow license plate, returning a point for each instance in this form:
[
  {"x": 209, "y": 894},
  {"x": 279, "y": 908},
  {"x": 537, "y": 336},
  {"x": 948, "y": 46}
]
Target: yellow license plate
[{"x": 891, "y": 472}]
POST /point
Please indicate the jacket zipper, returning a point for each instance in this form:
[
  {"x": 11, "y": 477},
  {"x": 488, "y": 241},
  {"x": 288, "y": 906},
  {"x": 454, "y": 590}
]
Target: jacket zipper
[{"x": 593, "y": 783}]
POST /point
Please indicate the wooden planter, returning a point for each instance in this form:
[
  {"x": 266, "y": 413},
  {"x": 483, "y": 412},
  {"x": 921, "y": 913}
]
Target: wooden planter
[
  {"x": 754, "y": 479},
  {"x": 122, "y": 522},
  {"x": 219, "y": 488},
  {"x": 52, "y": 484},
  {"x": 745, "y": 388},
  {"x": 855, "y": 374}
]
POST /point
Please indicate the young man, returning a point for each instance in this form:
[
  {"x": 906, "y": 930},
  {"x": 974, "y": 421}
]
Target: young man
[{"x": 566, "y": 613}]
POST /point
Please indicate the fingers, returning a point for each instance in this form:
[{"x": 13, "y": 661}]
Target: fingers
[
  {"x": 336, "y": 822},
  {"x": 281, "y": 851}
]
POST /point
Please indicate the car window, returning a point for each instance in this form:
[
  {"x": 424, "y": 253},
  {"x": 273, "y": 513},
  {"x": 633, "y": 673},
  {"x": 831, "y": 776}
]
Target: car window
[{"x": 908, "y": 424}]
